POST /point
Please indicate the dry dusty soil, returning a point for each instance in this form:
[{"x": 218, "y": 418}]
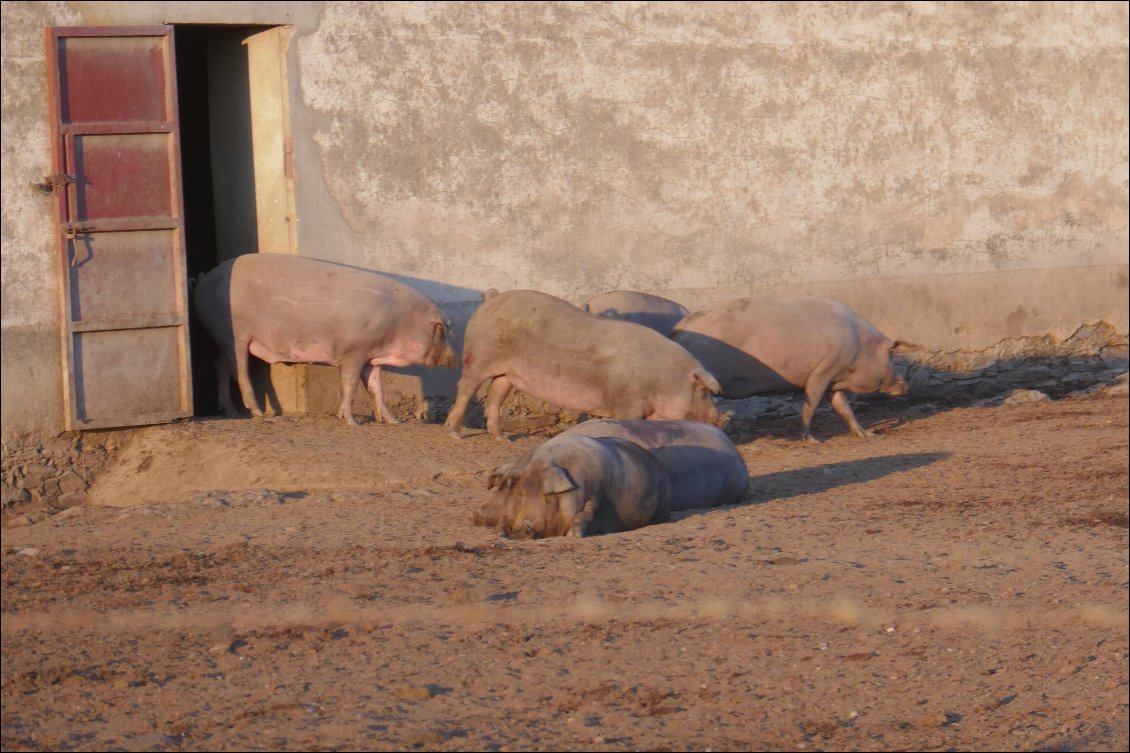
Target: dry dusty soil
[{"x": 959, "y": 582}]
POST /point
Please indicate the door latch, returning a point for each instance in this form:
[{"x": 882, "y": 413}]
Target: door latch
[
  {"x": 76, "y": 228},
  {"x": 72, "y": 231},
  {"x": 52, "y": 182}
]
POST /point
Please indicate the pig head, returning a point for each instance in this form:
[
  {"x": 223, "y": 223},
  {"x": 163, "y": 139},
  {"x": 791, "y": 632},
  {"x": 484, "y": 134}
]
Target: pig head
[{"x": 577, "y": 486}]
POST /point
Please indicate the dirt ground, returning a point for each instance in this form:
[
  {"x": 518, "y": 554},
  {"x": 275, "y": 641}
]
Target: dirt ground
[{"x": 959, "y": 582}]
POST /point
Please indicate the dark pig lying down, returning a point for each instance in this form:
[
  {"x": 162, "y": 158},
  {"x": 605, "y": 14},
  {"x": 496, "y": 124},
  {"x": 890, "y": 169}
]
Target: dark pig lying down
[
  {"x": 290, "y": 309},
  {"x": 577, "y": 486},
  {"x": 704, "y": 466},
  {"x": 608, "y": 476},
  {"x": 560, "y": 354}
]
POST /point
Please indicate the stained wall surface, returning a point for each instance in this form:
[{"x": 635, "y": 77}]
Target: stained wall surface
[{"x": 958, "y": 172}]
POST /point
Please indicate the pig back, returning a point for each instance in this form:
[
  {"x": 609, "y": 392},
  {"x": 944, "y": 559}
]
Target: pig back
[
  {"x": 294, "y": 305},
  {"x": 317, "y": 292},
  {"x": 574, "y": 359},
  {"x": 652, "y": 311},
  {"x": 702, "y": 463}
]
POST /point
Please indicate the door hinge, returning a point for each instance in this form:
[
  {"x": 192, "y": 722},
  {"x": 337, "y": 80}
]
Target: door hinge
[{"x": 52, "y": 182}]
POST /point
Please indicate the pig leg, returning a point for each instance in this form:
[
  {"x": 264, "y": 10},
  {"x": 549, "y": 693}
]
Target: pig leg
[
  {"x": 350, "y": 372},
  {"x": 371, "y": 376},
  {"x": 814, "y": 391},
  {"x": 499, "y": 389},
  {"x": 468, "y": 386},
  {"x": 843, "y": 408},
  {"x": 243, "y": 376},
  {"x": 583, "y": 519},
  {"x": 223, "y": 386}
]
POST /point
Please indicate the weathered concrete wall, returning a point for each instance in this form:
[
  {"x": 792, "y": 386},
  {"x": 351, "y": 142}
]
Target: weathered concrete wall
[
  {"x": 707, "y": 150},
  {"x": 956, "y": 171}
]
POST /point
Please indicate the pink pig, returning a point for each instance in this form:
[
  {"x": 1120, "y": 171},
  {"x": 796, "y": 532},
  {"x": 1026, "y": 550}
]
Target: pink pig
[
  {"x": 805, "y": 343},
  {"x": 577, "y": 361},
  {"x": 291, "y": 309}
]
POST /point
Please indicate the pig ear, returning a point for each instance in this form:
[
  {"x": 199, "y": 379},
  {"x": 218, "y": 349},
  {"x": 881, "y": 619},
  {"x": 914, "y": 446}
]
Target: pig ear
[
  {"x": 555, "y": 480},
  {"x": 436, "y": 345},
  {"x": 499, "y": 475},
  {"x": 707, "y": 380}
]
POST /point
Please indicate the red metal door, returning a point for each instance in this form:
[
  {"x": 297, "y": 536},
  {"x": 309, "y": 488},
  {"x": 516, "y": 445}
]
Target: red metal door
[{"x": 116, "y": 155}]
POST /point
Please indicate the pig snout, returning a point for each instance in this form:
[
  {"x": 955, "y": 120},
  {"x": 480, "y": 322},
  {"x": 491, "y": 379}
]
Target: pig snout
[
  {"x": 446, "y": 358},
  {"x": 703, "y": 409},
  {"x": 524, "y": 531},
  {"x": 895, "y": 387}
]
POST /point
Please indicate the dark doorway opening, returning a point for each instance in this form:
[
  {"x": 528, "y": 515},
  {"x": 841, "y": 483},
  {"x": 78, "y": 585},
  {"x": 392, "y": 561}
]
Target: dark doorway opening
[
  {"x": 220, "y": 93},
  {"x": 199, "y": 213}
]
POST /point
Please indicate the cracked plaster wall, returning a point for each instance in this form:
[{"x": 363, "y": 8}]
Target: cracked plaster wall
[{"x": 707, "y": 150}]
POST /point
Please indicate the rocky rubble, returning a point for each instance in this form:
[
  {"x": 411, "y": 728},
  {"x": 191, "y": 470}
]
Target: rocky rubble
[{"x": 44, "y": 475}]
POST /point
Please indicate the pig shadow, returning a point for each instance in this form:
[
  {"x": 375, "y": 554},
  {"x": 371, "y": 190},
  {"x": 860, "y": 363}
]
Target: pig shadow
[{"x": 818, "y": 479}]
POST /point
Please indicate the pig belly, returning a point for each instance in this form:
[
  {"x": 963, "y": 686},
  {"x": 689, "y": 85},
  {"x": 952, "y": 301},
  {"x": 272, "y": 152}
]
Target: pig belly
[
  {"x": 391, "y": 360},
  {"x": 294, "y": 354},
  {"x": 760, "y": 381},
  {"x": 400, "y": 352},
  {"x": 559, "y": 390}
]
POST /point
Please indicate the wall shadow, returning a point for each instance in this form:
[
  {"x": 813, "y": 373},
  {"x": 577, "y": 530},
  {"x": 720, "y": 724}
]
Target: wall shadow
[
  {"x": 764, "y": 404},
  {"x": 740, "y": 373}
]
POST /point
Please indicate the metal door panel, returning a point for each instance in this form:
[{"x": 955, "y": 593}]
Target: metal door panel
[
  {"x": 121, "y": 175},
  {"x": 128, "y": 275},
  {"x": 107, "y": 364},
  {"x": 112, "y": 79},
  {"x": 124, "y": 296}
]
